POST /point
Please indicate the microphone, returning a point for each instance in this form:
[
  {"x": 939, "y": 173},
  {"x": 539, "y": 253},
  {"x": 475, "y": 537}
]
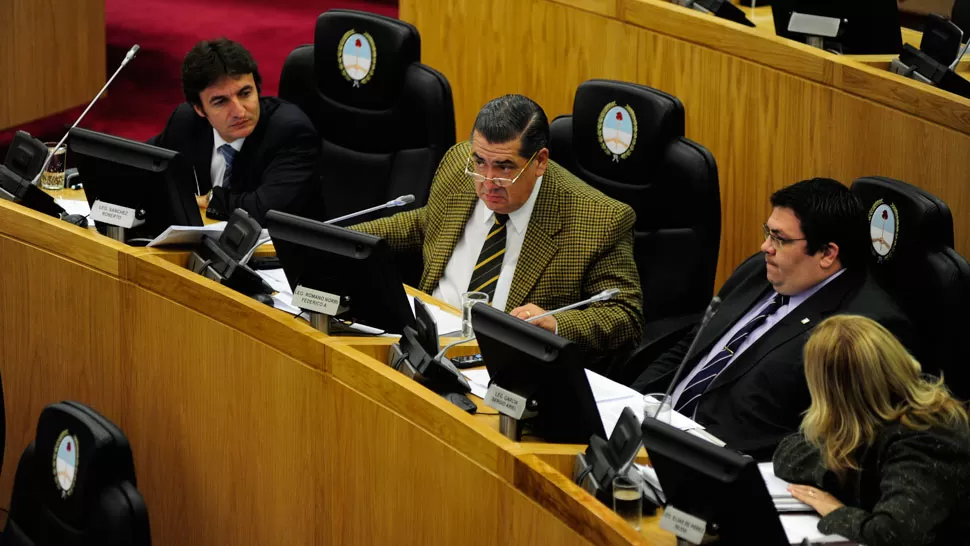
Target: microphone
[
  {"x": 602, "y": 296},
  {"x": 399, "y": 202},
  {"x": 50, "y": 153},
  {"x": 708, "y": 315}
]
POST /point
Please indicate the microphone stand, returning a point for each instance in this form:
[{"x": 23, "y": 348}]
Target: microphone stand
[
  {"x": 399, "y": 202},
  {"x": 708, "y": 315},
  {"x": 50, "y": 152}
]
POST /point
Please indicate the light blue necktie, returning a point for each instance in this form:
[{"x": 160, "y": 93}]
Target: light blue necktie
[{"x": 228, "y": 153}]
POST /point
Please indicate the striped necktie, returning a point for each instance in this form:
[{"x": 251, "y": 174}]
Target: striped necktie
[
  {"x": 228, "y": 153},
  {"x": 690, "y": 397},
  {"x": 489, "y": 264}
]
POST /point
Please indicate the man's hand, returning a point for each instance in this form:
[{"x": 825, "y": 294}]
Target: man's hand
[
  {"x": 822, "y": 502},
  {"x": 528, "y": 311},
  {"x": 203, "y": 200}
]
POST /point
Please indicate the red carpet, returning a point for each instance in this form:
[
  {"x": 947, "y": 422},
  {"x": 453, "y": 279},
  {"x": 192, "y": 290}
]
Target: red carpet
[{"x": 145, "y": 93}]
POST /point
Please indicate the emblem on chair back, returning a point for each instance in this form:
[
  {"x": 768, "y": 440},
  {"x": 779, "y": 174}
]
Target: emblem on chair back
[
  {"x": 65, "y": 463},
  {"x": 617, "y": 130},
  {"x": 883, "y": 229},
  {"x": 357, "y": 57}
]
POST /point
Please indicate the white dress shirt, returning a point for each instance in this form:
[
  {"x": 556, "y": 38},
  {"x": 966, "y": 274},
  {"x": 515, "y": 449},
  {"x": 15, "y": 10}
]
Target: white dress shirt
[
  {"x": 756, "y": 334},
  {"x": 218, "y": 166},
  {"x": 458, "y": 272}
]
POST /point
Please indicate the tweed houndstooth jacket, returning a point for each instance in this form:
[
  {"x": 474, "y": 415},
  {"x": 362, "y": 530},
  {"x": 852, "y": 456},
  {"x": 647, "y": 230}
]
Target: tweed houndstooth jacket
[{"x": 579, "y": 242}]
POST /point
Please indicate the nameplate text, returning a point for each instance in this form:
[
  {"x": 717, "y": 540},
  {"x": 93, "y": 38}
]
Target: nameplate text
[
  {"x": 316, "y": 300},
  {"x": 113, "y": 215},
  {"x": 683, "y": 525},
  {"x": 506, "y": 401}
]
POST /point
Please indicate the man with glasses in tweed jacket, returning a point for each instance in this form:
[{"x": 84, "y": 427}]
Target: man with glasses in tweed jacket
[{"x": 505, "y": 220}]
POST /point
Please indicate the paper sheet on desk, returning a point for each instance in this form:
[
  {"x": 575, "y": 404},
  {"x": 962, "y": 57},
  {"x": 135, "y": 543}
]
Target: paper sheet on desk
[
  {"x": 446, "y": 322},
  {"x": 612, "y": 397},
  {"x": 801, "y": 526},
  {"x": 192, "y": 235},
  {"x": 283, "y": 298},
  {"x": 778, "y": 489},
  {"x": 75, "y": 206},
  {"x": 478, "y": 380}
]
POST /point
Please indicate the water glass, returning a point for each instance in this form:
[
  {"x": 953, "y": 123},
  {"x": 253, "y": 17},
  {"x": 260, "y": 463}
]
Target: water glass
[
  {"x": 468, "y": 299},
  {"x": 657, "y": 406},
  {"x": 53, "y": 177},
  {"x": 628, "y": 500}
]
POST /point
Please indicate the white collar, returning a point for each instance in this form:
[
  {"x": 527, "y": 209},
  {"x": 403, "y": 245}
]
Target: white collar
[
  {"x": 518, "y": 218},
  {"x": 219, "y": 141}
]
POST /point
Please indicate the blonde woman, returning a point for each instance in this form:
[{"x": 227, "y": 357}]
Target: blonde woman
[{"x": 883, "y": 453}]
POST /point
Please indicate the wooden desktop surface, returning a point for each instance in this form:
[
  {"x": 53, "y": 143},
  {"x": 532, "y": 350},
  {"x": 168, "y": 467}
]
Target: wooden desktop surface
[
  {"x": 248, "y": 426},
  {"x": 770, "y": 110}
]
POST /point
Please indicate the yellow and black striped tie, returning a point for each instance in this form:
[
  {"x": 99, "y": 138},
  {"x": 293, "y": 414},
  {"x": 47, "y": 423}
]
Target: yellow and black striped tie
[{"x": 489, "y": 264}]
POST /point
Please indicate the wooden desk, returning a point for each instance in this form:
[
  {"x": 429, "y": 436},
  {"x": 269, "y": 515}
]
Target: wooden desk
[
  {"x": 248, "y": 426},
  {"x": 53, "y": 57},
  {"x": 772, "y": 111}
]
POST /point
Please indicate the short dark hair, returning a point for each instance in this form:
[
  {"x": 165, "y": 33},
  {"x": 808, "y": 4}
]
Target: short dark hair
[
  {"x": 210, "y": 60},
  {"x": 505, "y": 118},
  {"x": 828, "y": 213}
]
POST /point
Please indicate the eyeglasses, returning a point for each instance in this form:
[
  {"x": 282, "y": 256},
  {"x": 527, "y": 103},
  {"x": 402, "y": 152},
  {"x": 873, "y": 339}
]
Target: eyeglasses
[
  {"x": 497, "y": 180},
  {"x": 777, "y": 241}
]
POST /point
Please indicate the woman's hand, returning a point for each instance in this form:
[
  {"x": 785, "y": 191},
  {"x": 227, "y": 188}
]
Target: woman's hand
[{"x": 822, "y": 502}]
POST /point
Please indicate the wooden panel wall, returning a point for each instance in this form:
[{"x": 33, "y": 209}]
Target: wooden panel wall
[
  {"x": 771, "y": 111},
  {"x": 53, "y": 56}
]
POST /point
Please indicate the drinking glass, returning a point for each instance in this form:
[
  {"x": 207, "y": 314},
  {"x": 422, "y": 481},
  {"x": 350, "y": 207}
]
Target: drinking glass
[
  {"x": 628, "y": 500},
  {"x": 654, "y": 402},
  {"x": 53, "y": 177},
  {"x": 468, "y": 299}
]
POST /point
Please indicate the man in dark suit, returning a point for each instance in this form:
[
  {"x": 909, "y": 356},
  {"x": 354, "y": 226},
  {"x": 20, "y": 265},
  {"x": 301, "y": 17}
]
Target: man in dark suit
[
  {"x": 250, "y": 152},
  {"x": 744, "y": 380}
]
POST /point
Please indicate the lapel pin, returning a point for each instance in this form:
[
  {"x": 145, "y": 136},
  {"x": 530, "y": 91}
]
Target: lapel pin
[{"x": 805, "y": 320}]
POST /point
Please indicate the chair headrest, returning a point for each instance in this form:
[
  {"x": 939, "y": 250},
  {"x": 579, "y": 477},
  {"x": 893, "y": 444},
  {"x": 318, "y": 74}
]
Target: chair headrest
[
  {"x": 79, "y": 452},
  {"x": 905, "y": 222},
  {"x": 621, "y": 129},
  {"x": 361, "y": 58}
]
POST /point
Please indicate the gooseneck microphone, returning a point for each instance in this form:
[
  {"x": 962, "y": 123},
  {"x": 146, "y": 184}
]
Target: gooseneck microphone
[
  {"x": 708, "y": 315},
  {"x": 399, "y": 202},
  {"x": 602, "y": 296},
  {"x": 50, "y": 153}
]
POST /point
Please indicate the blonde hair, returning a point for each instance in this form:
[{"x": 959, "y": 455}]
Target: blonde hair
[{"x": 861, "y": 378}]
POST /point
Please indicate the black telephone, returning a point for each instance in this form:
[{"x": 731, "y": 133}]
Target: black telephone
[
  {"x": 25, "y": 158},
  {"x": 220, "y": 260}
]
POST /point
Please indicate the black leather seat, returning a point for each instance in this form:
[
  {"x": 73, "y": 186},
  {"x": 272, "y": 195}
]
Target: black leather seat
[
  {"x": 627, "y": 140},
  {"x": 75, "y": 485},
  {"x": 913, "y": 259},
  {"x": 385, "y": 119}
]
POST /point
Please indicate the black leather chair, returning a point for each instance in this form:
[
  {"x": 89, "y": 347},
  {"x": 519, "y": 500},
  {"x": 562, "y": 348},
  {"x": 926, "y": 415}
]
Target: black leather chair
[
  {"x": 670, "y": 182},
  {"x": 913, "y": 259},
  {"x": 385, "y": 119},
  {"x": 75, "y": 485}
]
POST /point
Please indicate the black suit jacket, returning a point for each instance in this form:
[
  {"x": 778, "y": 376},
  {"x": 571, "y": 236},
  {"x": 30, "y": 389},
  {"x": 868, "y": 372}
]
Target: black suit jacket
[
  {"x": 759, "y": 398},
  {"x": 913, "y": 486},
  {"x": 275, "y": 169}
]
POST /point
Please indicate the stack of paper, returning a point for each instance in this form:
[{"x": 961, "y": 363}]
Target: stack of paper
[
  {"x": 192, "y": 235},
  {"x": 283, "y": 298},
  {"x": 778, "y": 489},
  {"x": 75, "y": 206}
]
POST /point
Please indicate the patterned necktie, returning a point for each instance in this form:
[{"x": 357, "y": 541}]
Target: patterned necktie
[
  {"x": 228, "y": 153},
  {"x": 489, "y": 264},
  {"x": 690, "y": 397}
]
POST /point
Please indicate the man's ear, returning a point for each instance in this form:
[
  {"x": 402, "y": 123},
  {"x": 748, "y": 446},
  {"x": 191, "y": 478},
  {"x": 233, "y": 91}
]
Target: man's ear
[
  {"x": 830, "y": 255},
  {"x": 542, "y": 161},
  {"x": 198, "y": 110}
]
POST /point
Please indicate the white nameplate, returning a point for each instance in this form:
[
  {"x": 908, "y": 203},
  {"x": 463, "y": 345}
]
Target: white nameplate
[
  {"x": 506, "y": 401},
  {"x": 683, "y": 525},
  {"x": 316, "y": 300},
  {"x": 114, "y": 215}
]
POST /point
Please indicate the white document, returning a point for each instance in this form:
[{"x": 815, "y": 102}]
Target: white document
[
  {"x": 778, "y": 489},
  {"x": 276, "y": 278},
  {"x": 445, "y": 320},
  {"x": 188, "y": 235},
  {"x": 612, "y": 397},
  {"x": 649, "y": 475},
  {"x": 801, "y": 526},
  {"x": 75, "y": 206},
  {"x": 192, "y": 235},
  {"x": 478, "y": 380}
]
